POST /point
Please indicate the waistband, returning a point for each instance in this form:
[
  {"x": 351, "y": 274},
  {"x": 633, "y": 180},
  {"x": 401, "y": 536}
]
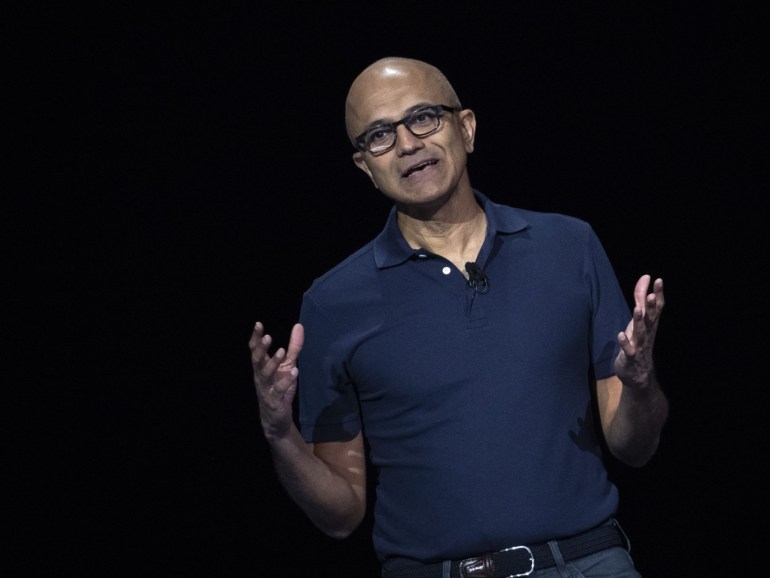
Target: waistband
[{"x": 520, "y": 560}]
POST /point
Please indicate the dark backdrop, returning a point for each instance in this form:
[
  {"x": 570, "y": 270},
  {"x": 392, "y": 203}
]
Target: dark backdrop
[{"x": 177, "y": 172}]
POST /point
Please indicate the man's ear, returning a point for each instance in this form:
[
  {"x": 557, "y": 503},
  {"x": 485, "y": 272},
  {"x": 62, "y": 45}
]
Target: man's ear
[
  {"x": 468, "y": 128},
  {"x": 360, "y": 160}
]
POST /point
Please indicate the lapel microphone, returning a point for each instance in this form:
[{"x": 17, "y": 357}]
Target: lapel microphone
[{"x": 477, "y": 278}]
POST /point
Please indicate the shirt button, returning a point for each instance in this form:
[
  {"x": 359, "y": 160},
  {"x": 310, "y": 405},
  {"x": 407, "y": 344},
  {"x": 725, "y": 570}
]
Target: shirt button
[{"x": 446, "y": 270}]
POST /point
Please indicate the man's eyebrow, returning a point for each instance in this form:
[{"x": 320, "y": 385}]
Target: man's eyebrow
[{"x": 384, "y": 122}]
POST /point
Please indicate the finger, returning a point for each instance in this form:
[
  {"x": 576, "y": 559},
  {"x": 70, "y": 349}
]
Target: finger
[
  {"x": 655, "y": 301},
  {"x": 259, "y": 348},
  {"x": 626, "y": 347},
  {"x": 272, "y": 371},
  {"x": 264, "y": 365},
  {"x": 296, "y": 340},
  {"x": 259, "y": 341},
  {"x": 639, "y": 331},
  {"x": 640, "y": 292},
  {"x": 279, "y": 381},
  {"x": 256, "y": 335},
  {"x": 658, "y": 295}
]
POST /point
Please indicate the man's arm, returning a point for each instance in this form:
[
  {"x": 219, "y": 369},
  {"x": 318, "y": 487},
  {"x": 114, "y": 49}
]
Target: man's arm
[
  {"x": 328, "y": 480},
  {"x": 632, "y": 406},
  {"x": 632, "y": 420}
]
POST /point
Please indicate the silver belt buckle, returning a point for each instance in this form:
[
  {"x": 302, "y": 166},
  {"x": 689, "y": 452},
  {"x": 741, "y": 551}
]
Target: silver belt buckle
[
  {"x": 477, "y": 567},
  {"x": 531, "y": 560}
]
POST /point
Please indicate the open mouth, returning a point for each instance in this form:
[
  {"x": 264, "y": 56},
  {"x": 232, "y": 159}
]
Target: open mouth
[{"x": 417, "y": 168}]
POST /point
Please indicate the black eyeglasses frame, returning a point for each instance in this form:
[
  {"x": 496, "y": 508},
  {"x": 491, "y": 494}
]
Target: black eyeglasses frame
[{"x": 360, "y": 141}]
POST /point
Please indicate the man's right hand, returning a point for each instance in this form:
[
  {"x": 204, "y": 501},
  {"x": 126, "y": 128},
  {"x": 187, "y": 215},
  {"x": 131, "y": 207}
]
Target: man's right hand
[
  {"x": 275, "y": 379},
  {"x": 327, "y": 480}
]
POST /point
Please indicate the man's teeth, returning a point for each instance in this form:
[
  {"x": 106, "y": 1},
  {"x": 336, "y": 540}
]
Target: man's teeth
[{"x": 419, "y": 167}]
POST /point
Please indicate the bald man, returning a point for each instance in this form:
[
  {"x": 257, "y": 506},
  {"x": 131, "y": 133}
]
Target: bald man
[{"x": 470, "y": 343}]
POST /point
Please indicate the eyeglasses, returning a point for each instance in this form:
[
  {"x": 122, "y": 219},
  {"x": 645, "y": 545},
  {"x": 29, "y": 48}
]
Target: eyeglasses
[{"x": 421, "y": 122}]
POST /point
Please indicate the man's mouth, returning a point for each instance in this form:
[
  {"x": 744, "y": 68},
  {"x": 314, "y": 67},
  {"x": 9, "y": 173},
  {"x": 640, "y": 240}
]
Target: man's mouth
[{"x": 418, "y": 167}]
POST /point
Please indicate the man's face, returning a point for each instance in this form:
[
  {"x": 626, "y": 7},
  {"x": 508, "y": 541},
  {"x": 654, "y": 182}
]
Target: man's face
[{"x": 416, "y": 170}]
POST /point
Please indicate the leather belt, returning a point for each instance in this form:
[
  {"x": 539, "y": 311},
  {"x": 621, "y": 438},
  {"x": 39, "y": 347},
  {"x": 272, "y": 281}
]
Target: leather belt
[{"x": 520, "y": 560}]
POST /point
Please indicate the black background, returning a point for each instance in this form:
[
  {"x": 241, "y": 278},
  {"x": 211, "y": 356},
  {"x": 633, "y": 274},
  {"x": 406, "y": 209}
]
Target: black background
[{"x": 177, "y": 172}]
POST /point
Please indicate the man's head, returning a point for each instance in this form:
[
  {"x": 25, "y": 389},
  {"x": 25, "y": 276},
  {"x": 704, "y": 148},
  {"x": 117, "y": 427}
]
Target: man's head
[{"x": 409, "y": 94}]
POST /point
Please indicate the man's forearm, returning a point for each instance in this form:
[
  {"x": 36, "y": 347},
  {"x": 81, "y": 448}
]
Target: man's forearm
[
  {"x": 635, "y": 430},
  {"x": 334, "y": 503}
]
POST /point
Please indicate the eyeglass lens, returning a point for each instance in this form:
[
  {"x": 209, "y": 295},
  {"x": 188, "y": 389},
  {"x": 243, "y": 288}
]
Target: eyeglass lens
[{"x": 420, "y": 123}]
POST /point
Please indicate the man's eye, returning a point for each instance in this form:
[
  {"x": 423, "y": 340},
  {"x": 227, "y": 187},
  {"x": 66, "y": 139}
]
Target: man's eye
[
  {"x": 423, "y": 117},
  {"x": 379, "y": 135}
]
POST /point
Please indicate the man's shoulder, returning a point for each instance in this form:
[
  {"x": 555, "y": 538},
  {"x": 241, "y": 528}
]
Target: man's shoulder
[
  {"x": 540, "y": 222},
  {"x": 510, "y": 218},
  {"x": 348, "y": 273}
]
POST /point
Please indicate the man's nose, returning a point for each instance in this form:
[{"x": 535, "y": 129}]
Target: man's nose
[{"x": 406, "y": 142}]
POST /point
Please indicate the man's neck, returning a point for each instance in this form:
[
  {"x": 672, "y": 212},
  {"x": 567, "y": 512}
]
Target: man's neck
[{"x": 456, "y": 233}]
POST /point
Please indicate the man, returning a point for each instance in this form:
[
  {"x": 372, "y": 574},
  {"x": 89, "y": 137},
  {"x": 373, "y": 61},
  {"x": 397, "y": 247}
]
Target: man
[{"x": 470, "y": 343}]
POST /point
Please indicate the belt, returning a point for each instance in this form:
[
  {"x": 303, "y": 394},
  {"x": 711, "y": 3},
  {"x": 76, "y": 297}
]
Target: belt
[{"x": 519, "y": 560}]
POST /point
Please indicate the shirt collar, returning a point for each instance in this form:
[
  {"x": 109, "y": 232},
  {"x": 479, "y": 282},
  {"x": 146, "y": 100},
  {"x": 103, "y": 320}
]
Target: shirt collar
[{"x": 390, "y": 247}]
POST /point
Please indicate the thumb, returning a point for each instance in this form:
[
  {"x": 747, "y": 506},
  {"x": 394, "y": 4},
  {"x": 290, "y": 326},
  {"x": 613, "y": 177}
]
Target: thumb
[{"x": 296, "y": 340}]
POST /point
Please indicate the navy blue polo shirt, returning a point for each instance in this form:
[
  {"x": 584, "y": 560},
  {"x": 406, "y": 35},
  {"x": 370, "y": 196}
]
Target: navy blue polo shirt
[{"x": 476, "y": 406}]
